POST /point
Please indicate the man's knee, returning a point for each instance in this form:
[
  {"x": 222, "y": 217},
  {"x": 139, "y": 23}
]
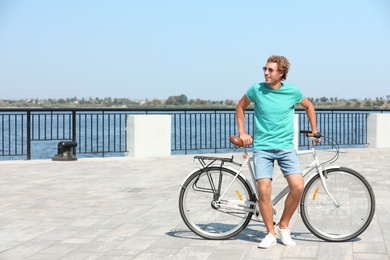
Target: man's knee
[
  {"x": 295, "y": 183},
  {"x": 297, "y": 189},
  {"x": 264, "y": 188}
]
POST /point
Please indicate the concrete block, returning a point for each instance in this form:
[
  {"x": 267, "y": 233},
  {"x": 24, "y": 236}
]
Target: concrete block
[
  {"x": 378, "y": 128},
  {"x": 148, "y": 135}
]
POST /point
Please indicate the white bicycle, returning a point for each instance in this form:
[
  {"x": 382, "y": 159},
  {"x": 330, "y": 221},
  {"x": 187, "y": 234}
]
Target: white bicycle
[{"x": 217, "y": 201}]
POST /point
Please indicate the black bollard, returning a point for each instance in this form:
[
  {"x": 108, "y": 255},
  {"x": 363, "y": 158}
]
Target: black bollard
[{"x": 65, "y": 151}]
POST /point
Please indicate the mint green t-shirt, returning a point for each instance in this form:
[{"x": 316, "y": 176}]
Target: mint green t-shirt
[{"x": 274, "y": 115}]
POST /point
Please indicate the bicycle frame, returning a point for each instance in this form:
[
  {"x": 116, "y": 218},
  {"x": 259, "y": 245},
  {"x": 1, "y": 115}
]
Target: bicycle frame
[{"x": 315, "y": 164}]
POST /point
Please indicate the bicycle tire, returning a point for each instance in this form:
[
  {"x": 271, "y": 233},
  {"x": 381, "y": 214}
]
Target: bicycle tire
[
  {"x": 201, "y": 211},
  {"x": 331, "y": 222}
]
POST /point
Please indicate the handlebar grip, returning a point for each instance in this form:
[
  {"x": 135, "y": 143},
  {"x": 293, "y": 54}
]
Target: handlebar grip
[
  {"x": 311, "y": 134},
  {"x": 317, "y": 135}
]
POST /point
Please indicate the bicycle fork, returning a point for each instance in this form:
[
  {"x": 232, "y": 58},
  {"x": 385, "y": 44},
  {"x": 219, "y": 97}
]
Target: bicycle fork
[
  {"x": 321, "y": 171},
  {"x": 323, "y": 181}
]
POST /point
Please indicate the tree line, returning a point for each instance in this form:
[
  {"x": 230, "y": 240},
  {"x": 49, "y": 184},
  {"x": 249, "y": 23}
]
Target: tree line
[{"x": 182, "y": 101}]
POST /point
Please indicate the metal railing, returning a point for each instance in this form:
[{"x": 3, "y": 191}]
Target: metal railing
[
  {"x": 28, "y": 133},
  {"x": 347, "y": 127},
  {"x": 98, "y": 132},
  {"x": 205, "y": 130}
]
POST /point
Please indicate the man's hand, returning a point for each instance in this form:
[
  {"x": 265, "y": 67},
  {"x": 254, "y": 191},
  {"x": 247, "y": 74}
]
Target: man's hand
[
  {"x": 318, "y": 137},
  {"x": 246, "y": 139}
]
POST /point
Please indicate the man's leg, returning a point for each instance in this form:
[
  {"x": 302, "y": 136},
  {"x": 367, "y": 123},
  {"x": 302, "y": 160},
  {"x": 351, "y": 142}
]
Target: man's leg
[
  {"x": 266, "y": 210},
  {"x": 264, "y": 165},
  {"x": 295, "y": 183},
  {"x": 289, "y": 163},
  {"x": 265, "y": 204}
]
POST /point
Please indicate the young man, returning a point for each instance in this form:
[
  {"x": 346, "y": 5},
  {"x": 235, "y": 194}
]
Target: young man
[{"x": 273, "y": 140}]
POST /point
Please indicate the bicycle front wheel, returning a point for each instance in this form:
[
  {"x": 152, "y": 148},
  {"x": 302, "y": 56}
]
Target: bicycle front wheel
[
  {"x": 214, "y": 205},
  {"x": 346, "y": 217}
]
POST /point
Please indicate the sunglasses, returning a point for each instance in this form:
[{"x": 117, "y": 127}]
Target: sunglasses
[{"x": 269, "y": 69}]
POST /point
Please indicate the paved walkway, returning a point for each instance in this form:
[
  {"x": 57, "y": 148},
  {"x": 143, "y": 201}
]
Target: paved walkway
[{"x": 126, "y": 208}]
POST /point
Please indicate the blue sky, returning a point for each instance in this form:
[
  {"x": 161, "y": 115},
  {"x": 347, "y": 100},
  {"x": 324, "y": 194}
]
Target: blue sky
[{"x": 212, "y": 50}]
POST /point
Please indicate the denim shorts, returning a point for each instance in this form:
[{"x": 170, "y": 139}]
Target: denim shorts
[{"x": 263, "y": 161}]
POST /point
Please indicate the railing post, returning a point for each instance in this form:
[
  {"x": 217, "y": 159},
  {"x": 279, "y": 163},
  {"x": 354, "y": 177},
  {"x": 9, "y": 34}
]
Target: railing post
[
  {"x": 185, "y": 132},
  {"x": 74, "y": 137},
  {"x": 103, "y": 125},
  {"x": 28, "y": 135},
  {"x": 215, "y": 131}
]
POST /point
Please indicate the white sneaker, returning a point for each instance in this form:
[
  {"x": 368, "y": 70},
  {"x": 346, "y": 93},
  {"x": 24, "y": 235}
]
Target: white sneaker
[
  {"x": 268, "y": 241},
  {"x": 284, "y": 235}
]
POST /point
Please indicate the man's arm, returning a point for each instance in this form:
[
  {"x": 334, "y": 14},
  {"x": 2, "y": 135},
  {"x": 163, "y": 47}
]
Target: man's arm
[
  {"x": 310, "y": 113},
  {"x": 240, "y": 117}
]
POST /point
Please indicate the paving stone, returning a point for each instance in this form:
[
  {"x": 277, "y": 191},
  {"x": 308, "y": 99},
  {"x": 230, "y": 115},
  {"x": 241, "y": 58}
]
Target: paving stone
[{"x": 127, "y": 208}]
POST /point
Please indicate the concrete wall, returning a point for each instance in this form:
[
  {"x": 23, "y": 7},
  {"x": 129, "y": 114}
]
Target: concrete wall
[
  {"x": 149, "y": 135},
  {"x": 378, "y": 130}
]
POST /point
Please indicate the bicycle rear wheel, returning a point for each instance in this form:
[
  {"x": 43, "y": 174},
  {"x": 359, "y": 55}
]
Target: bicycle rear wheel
[
  {"x": 349, "y": 217},
  {"x": 206, "y": 213}
]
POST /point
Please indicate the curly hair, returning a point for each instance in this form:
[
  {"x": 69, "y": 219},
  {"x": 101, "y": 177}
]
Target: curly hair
[{"x": 282, "y": 63}]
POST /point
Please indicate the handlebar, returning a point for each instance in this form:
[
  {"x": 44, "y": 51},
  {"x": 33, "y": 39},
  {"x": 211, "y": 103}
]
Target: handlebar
[
  {"x": 236, "y": 140},
  {"x": 313, "y": 137},
  {"x": 311, "y": 134}
]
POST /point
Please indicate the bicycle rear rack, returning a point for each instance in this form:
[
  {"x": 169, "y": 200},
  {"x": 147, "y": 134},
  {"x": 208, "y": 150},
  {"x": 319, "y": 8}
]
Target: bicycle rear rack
[{"x": 202, "y": 160}]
